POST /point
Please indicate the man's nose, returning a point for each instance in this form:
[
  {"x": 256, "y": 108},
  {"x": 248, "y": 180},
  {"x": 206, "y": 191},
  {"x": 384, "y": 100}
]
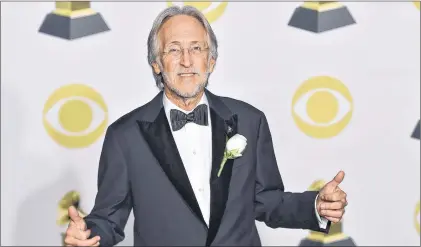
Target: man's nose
[{"x": 185, "y": 58}]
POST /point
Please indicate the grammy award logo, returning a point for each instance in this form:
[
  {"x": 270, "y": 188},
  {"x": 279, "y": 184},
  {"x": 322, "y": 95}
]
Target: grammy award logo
[
  {"x": 319, "y": 17},
  {"x": 335, "y": 237},
  {"x": 73, "y": 20},
  {"x": 416, "y": 132},
  {"x": 71, "y": 198}
]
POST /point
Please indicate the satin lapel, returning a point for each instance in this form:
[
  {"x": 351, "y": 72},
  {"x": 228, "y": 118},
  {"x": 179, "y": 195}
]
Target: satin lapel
[
  {"x": 161, "y": 142},
  {"x": 221, "y": 129}
]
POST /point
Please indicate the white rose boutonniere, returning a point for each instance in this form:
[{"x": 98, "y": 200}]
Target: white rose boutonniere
[{"x": 234, "y": 148}]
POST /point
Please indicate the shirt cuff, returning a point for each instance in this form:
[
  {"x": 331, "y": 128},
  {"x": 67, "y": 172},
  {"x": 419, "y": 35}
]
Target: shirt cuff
[{"x": 322, "y": 221}]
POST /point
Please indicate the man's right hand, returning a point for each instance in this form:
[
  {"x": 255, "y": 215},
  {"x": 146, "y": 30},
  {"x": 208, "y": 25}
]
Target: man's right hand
[{"x": 77, "y": 234}]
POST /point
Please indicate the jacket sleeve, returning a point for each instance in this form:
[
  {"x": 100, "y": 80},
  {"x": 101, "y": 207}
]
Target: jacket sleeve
[
  {"x": 273, "y": 206},
  {"x": 113, "y": 204}
]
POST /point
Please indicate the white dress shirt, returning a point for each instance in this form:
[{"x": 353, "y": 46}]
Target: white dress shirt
[{"x": 194, "y": 143}]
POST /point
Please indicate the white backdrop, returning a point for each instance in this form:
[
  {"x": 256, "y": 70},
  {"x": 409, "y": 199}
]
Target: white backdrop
[{"x": 263, "y": 61}]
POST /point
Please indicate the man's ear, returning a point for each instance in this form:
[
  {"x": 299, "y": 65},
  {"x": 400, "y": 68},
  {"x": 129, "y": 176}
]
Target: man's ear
[
  {"x": 211, "y": 64},
  {"x": 156, "y": 68}
]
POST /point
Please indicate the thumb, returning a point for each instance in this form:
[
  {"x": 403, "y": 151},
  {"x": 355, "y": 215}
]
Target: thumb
[
  {"x": 338, "y": 178},
  {"x": 73, "y": 214}
]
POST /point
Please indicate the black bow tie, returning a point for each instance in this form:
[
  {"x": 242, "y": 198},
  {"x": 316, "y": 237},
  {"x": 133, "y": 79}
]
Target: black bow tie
[{"x": 198, "y": 116}]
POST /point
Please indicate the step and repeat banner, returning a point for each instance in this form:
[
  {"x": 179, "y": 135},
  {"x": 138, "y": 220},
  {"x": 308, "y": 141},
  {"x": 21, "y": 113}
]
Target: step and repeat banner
[{"x": 338, "y": 82}]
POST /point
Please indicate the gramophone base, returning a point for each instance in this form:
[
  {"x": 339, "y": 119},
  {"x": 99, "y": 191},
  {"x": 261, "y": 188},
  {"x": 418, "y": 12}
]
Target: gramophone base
[
  {"x": 416, "y": 132},
  {"x": 342, "y": 242},
  {"x": 317, "y": 22},
  {"x": 73, "y": 28}
]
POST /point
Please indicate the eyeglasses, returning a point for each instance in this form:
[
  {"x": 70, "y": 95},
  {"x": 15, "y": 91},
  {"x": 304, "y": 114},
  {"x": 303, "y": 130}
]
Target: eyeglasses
[{"x": 175, "y": 50}]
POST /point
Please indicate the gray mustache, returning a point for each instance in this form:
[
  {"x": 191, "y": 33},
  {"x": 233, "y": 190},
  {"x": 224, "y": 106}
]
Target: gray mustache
[{"x": 186, "y": 72}]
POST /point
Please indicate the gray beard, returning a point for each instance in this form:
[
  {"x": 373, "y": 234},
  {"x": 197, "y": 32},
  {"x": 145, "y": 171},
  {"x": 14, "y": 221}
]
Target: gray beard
[{"x": 199, "y": 88}]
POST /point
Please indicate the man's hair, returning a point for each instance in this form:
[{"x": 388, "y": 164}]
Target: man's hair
[{"x": 153, "y": 40}]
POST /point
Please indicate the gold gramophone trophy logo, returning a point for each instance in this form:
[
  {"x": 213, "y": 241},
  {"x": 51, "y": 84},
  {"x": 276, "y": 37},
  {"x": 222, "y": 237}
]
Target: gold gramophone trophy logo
[
  {"x": 335, "y": 237},
  {"x": 319, "y": 17},
  {"x": 71, "y": 198},
  {"x": 73, "y": 20},
  {"x": 416, "y": 132}
]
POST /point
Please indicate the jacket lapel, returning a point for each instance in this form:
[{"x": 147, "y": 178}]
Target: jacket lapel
[
  {"x": 156, "y": 130},
  {"x": 224, "y": 125},
  {"x": 157, "y": 134}
]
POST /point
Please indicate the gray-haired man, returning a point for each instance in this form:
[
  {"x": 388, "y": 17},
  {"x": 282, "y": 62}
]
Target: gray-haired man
[{"x": 197, "y": 169}]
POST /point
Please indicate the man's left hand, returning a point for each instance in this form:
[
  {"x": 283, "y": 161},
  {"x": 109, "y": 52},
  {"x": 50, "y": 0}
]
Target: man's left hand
[{"x": 331, "y": 201}]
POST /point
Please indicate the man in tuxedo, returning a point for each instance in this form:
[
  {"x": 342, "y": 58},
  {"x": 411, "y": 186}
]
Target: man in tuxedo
[{"x": 166, "y": 160}]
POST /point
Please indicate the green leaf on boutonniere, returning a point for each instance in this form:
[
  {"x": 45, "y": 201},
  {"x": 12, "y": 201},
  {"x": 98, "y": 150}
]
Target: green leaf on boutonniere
[{"x": 232, "y": 154}]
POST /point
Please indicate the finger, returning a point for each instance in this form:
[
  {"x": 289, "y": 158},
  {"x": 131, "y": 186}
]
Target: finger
[
  {"x": 70, "y": 241},
  {"x": 332, "y": 213},
  {"x": 332, "y": 205},
  {"x": 338, "y": 178},
  {"x": 333, "y": 219},
  {"x": 81, "y": 225},
  {"x": 84, "y": 235},
  {"x": 334, "y": 197},
  {"x": 73, "y": 214},
  {"x": 75, "y": 217},
  {"x": 72, "y": 224},
  {"x": 78, "y": 234},
  {"x": 92, "y": 241},
  {"x": 76, "y": 242}
]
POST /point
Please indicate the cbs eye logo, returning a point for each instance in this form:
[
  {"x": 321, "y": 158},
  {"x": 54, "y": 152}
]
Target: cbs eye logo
[
  {"x": 322, "y": 107},
  {"x": 75, "y": 116},
  {"x": 212, "y": 10}
]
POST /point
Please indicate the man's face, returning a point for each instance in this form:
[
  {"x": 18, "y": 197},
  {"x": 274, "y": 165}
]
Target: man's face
[{"x": 185, "y": 56}]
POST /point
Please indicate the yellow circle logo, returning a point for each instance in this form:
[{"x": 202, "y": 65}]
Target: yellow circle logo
[
  {"x": 322, "y": 107},
  {"x": 417, "y": 4},
  {"x": 75, "y": 116},
  {"x": 417, "y": 217},
  {"x": 212, "y": 10}
]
